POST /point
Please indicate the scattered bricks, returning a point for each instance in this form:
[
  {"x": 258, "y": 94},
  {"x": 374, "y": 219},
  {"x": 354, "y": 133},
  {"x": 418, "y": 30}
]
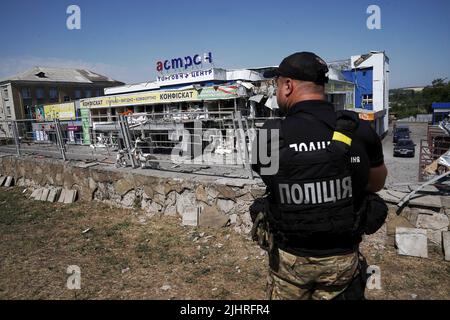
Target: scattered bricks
[
  {"x": 2, "y": 180},
  {"x": 411, "y": 242},
  {"x": 446, "y": 244},
  {"x": 37, "y": 194},
  {"x": 44, "y": 194},
  {"x": 9, "y": 181},
  {"x": 54, "y": 194}
]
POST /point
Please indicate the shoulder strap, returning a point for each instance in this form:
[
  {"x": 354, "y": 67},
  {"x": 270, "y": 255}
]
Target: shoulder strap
[{"x": 312, "y": 116}]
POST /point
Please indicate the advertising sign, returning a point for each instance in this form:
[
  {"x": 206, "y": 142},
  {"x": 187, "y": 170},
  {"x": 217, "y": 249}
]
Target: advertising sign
[
  {"x": 146, "y": 98},
  {"x": 218, "y": 93},
  {"x": 184, "y": 63},
  {"x": 85, "y": 120},
  {"x": 191, "y": 76},
  {"x": 62, "y": 111}
]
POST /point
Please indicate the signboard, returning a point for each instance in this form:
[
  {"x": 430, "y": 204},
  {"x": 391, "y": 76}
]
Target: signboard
[
  {"x": 367, "y": 116},
  {"x": 85, "y": 120},
  {"x": 184, "y": 63},
  {"x": 146, "y": 98},
  {"x": 62, "y": 111},
  {"x": 191, "y": 76},
  {"x": 218, "y": 92},
  {"x": 39, "y": 113}
]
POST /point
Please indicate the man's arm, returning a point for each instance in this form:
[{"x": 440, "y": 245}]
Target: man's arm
[
  {"x": 374, "y": 150},
  {"x": 377, "y": 178}
]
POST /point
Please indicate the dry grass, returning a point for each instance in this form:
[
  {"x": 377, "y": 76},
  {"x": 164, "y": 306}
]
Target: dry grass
[{"x": 122, "y": 257}]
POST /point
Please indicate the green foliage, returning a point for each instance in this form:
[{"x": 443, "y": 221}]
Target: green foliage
[{"x": 405, "y": 103}]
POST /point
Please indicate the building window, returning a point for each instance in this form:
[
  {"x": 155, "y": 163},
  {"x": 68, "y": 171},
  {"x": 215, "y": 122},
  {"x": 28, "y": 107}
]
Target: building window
[
  {"x": 87, "y": 93},
  {"x": 26, "y": 93},
  {"x": 8, "y": 110},
  {"x": 66, "y": 98},
  {"x": 97, "y": 93},
  {"x": 53, "y": 93},
  {"x": 5, "y": 94},
  {"x": 40, "y": 94},
  {"x": 367, "y": 99},
  {"x": 77, "y": 94}
]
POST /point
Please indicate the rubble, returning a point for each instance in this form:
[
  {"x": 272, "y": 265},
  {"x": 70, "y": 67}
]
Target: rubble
[
  {"x": 434, "y": 221},
  {"x": 411, "y": 242},
  {"x": 428, "y": 201}
]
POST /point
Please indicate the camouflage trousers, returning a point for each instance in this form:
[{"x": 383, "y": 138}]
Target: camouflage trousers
[{"x": 310, "y": 278}]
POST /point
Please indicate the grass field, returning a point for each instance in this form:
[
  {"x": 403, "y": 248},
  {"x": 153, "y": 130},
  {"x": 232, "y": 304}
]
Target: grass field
[{"x": 125, "y": 255}]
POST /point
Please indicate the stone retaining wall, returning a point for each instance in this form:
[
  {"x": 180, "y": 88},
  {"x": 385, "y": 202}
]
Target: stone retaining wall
[{"x": 166, "y": 193}]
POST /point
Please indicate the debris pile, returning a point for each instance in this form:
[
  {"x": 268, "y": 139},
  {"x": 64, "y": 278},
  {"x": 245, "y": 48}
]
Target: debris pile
[
  {"x": 422, "y": 220},
  {"x": 54, "y": 195}
]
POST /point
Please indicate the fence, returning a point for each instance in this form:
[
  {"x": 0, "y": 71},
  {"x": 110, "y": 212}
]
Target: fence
[{"x": 217, "y": 143}]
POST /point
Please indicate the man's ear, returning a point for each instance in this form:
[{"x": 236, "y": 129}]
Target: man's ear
[{"x": 289, "y": 85}]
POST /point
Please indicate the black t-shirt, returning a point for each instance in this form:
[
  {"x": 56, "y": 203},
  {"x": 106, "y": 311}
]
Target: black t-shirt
[{"x": 304, "y": 124}]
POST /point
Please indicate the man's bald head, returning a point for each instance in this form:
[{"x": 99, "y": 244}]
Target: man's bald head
[{"x": 291, "y": 91}]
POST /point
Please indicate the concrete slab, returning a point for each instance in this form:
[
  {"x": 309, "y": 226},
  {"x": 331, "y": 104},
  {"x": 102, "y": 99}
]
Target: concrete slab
[
  {"x": 2, "y": 180},
  {"x": 190, "y": 216},
  {"x": 62, "y": 196},
  {"x": 391, "y": 196},
  {"x": 44, "y": 194},
  {"x": 427, "y": 201},
  {"x": 53, "y": 196},
  {"x": 435, "y": 236},
  {"x": 36, "y": 195},
  {"x": 417, "y": 200},
  {"x": 9, "y": 182},
  {"x": 411, "y": 242},
  {"x": 434, "y": 221},
  {"x": 445, "y": 202},
  {"x": 85, "y": 165},
  {"x": 446, "y": 244},
  {"x": 70, "y": 196}
]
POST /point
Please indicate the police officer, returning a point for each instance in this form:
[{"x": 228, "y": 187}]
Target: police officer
[{"x": 319, "y": 188}]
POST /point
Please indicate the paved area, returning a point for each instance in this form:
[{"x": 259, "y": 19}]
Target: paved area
[{"x": 404, "y": 170}]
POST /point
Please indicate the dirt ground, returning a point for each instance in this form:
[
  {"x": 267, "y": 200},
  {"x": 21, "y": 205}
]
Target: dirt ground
[{"x": 125, "y": 255}]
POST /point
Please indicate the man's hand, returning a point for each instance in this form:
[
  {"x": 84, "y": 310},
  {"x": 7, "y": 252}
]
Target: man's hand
[{"x": 377, "y": 178}]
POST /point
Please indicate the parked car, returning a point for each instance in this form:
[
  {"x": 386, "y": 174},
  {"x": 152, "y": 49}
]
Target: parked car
[
  {"x": 404, "y": 148},
  {"x": 400, "y": 132}
]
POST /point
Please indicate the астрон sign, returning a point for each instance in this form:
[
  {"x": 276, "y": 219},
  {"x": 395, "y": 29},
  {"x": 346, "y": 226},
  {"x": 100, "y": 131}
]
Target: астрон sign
[{"x": 183, "y": 63}]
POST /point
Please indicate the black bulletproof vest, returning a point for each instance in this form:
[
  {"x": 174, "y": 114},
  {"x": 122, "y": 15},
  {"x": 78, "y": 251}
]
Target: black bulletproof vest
[{"x": 312, "y": 203}]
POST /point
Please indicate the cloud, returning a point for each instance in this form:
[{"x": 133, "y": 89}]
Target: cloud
[{"x": 10, "y": 66}]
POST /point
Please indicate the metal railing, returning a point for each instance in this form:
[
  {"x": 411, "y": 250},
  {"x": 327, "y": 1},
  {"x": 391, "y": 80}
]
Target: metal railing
[{"x": 213, "y": 143}]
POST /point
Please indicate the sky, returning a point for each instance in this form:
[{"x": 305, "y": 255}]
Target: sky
[{"x": 125, "y": 39}]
